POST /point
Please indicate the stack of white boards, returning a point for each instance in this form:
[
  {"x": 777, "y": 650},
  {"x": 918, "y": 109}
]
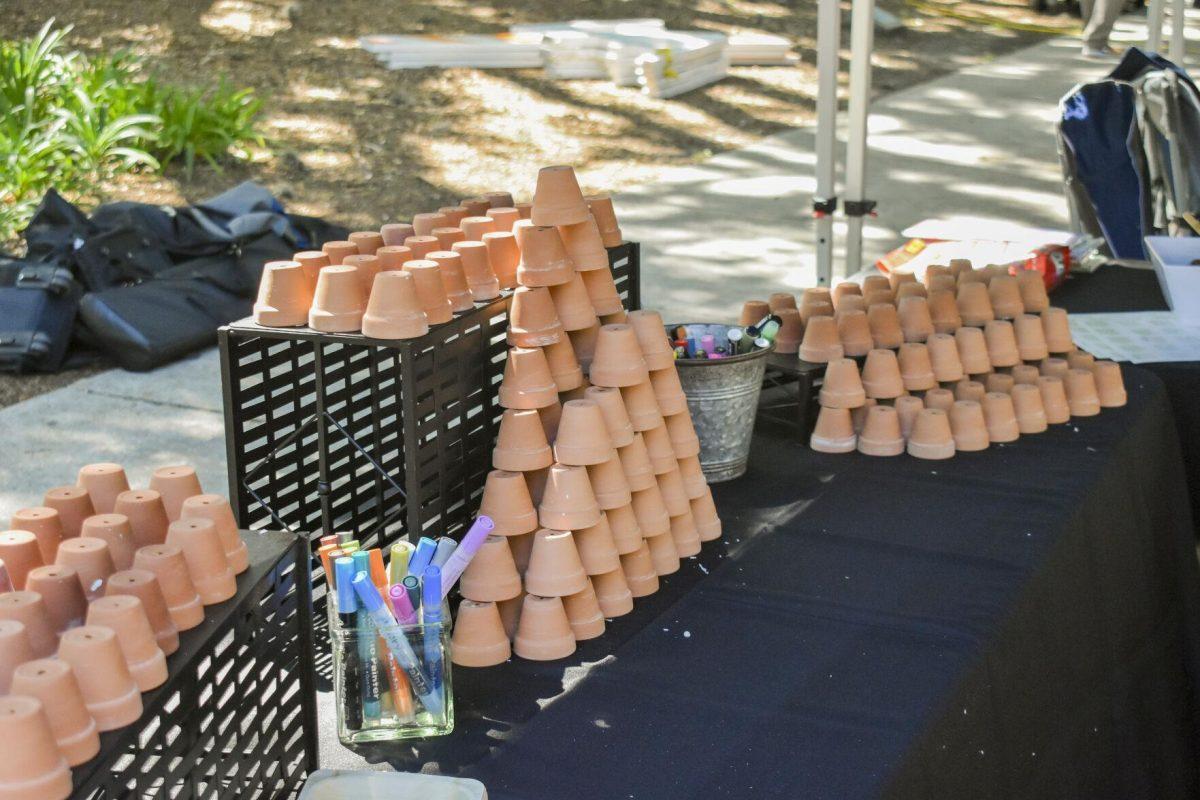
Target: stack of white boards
[{"x": 483, "y": 51}]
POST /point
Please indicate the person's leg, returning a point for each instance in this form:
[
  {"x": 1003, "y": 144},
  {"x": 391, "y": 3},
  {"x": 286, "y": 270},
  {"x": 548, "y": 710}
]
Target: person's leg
[{"x": 1101, "y": 16}]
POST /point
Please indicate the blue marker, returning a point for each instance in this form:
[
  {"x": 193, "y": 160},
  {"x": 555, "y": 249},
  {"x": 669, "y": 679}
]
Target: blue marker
[
  {"x": 412, "y": 584},
  {"x": 396, "y": 641},
  {"x": 431, "y": 618},
  {"x": 368, "y": 652},
  {"x": 445, "y": 548},
  {"x": 422, "y": 557},
  {"x": 347, "y": 607}
]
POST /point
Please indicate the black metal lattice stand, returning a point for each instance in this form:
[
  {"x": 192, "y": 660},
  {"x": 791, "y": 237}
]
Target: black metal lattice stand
[
  {"x": 789, "y": 394},
  {"x": 237, "y": 714}
]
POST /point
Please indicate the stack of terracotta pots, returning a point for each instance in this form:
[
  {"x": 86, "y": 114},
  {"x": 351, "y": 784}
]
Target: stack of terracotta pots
[
  {"x": 597, "y": 490},
  {"x": 966, "y": 359},
  {"x": 95, "y": 586}
]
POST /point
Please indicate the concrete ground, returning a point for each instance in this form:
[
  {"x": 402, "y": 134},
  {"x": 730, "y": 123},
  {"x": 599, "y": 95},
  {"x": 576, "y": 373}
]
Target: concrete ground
[{"x": 977, "y": 144}]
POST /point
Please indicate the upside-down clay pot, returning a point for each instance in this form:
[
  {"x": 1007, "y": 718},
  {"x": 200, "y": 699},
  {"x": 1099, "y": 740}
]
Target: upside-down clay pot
[
  {"x": 635, "y": 461},
  {"x": 338, "y": 302},
  {"x": 167, "y": 563},
  {"x": 585, "y": 245},
  {"x": 543, "y": 631},
  {"x": 972, "y": 276},
  {"x": 557, "y": 199},
  {"x": 114, "y": 529},
  {"x": 544, "y": 260},
  {"x": 601, "y": 207},
  {"x": 572, "y": 304},
  {"x": 1001, "y": 343},
  {"x": 651, "y": 512},
  {"x": 916, "y": 369},
  {"x": 931, "y": 437},
  {"x": 521, "y": 444},
  {"x": 51, "y": 682},
  {"x": 310, "y": 262},
  {"x": 582, "y": 436},
  {"x": 367, "y": 242},
  {"x": 858, "y": 416},
  {"x": 366, "y": 268},
  {"x": 507, "y": 503},
  {"x": 216, "y": 508},
  {"x": 999, "y": 382},
  {"x": 662, "y": 449},
  {"x": 851, "y": 302},
  {"x": 503, "y": 257},
  {"x": 144, "y": 586},
  {"x": 1082, "y": 397},
  {"x": 32, "y": 768},
  {"x": 568, "y": 503},
  {"x": 510, "y": 610},
  {"x": 958, "y": 266},
  {"x": 505, "y": 217},
  {"x": 834, "y": 432},
  {"x": 584, "y": 614},
  {"x": 842, "y": 387},
  {"x": 609, "y": 483},
  {"x": 674, "y": 495},
  {"x": 881, "y": 375},
  {"x": 611, "y": 402},
  {"x": 612, "y": 593},
  {"x": 285, "y": 294},
  {"x": 454, "y": 279},
  {"x": 1110, "y": 385},
  {"x": 896, "y": 278},
  {"x": 1077, "y": 359},
  {"x": 29, "y": 609},
  {"x": 943, "y": 312},
  {"x": 815, "y": 302},
  {"x": 527, "y": 382},
  {"x": 62, "y": 594},
  {"x": 779, "y": 300},
  {"x": 475, "y": 206},
  {"x": 974, "y": 304},
  {"x": 126, "y": 616},
  {"x": 910, "y": 290},
  {"x": 421, "y": 246},
  {"x": 393, "y": 257},
  {"x": 943, "y": 357},
  {"x": 20, "y": 554},
  {"x": 15, "y": 650},
  {"x": 109, "y": 690},
  {"x": 883, "y": 297},
  {"x": 492, "y": 573},
  {"x": 885, "y": 326},
  {"x": 876, "y": 283},
  {"x": 938, "y": 398},
  {"x": 972, "y": 350},
  {"x": 663, "y": 555},
  {"x": 624, "y": 527},
  {"x": 1054, "y": 399},
  {"x": 941, "y": 283},
  {"x": 146, "y": 514},
  {"x": 752, "y": 312},
  {"x": 668, "y": 391},
  {"x": 641, "y": 404},
  {"x": 425, "y": 224},
  {"x": 448, "y": 236},
  {"x": 1057, "y": 330},
  {"x": 394, "y": 310},
  {"x": 907, "y": 408},
  {"x": 1027, "y": 406},
  {"x": 618, "y": 358},
  {"x": 481, "y": 280},
  {"x": 597, "y": 548},
  {"x": 1054, "y": 367},
  {"x": 532, "y": 319},
  {"x": 704, "y": 512},
  {"x": 521, "y": 546},
  {"x": 431, "y": 290},
  {"x": 652, "y": 338},
  {"x": 204, "y": 553},
  {"x": 1005, "y": 295},
  {"x": 394, "y": 233},
  {"x": 338, "y": 250},
  {"x": 1001, "y": 417},
  {"x": 1024, "y": 373},
  {"x": 684, "y": 534},
  {"x": 91, "y": 560},
  {"x": 639, "y": 572},
  {"x": 174, "y": 485},
  {"x": 821, "y": 343},
  {"x": 1032, "y": 286},
  {"x": 479, "y": 638},
  {"x": 498, "y": 199},
  {"x": 791, "y": 331},
  {"x": 915, "y": 322},
  {"x": 854, "y": 332},
  {"x": 550, "y": 416},
  {"x": 602, "y": 291},
  {"x": 969, "y": 390},
  {"x": 968, "y": 426},
  {"x": 103, "y": 483},
  {"x": 555, "y": 568},
  {"x": 1031, "y": 339},
  {"x": 44, "y": 523}
]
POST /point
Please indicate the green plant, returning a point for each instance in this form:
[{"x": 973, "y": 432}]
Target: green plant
[{"x": 205, "y": 124}]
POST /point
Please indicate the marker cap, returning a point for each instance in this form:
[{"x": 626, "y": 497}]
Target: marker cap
[
  {"x": 367, "y": 593},
  {"x": 344, "y": 571}
]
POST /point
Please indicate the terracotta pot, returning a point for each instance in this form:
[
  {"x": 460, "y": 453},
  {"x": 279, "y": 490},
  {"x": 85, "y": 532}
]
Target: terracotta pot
[
  {"x": 544, "y": 260},
  {"x": 167, "y": 563},
  {"x": 454, "y": 214},
  {"x": 915, "y": 321},
  {"x": 813, "y": 302},
  {"x": 572, "y": 304},
  {"x": 612, "y": 593},
  {"x": 421, "y": 246},
  {"x": 601, "y": 207},
  {"x": 635, "y": 461},
  {"x": 431, "y": 290},
  {"x": 1000, "y": 415},
  {"x": 394, "y": 233},
  {"x": 609, "y": 483},
  {"x": 527, "y": 382},
  {"x": 62, "y": 594},
  {"x": 1110, "y": 385},
  {"x": 931, "y": 437},
  {"x": 943, "y": 356},
  {"x": 939, "y": 283},
  {"x": 1024, "y": 373},
  {"x": 504, "y": 217},
  {"x": 639, "y": 572},
  {"x": 475, "y": 227},
  {"x": 492, "y": 573},
  {"x": 842, "y": 387},
  {"x": 974, "y": 304},
  {"x": 1054, "y": 367},
  {"x": 618, "y": 358},
  {"x": 615, "y": 318},
  {"x": 532, "y": 319},
  {"x": 15, "y": 650},
  {"x": 44, "y": 523},
  {"x": 898, "y": 277},
  {"x": 626, "y": 531},
  {"x": 602, "y": 291},
  {"x": 1032, "y": 286},
  {"x": 366, "y": 268},
  {"x": 907, "y": 407},
  {"x": 521, "y": 546},
  {"x": 126, "y": 616},
  {"x": 972, "y": 276},
  {"x": 285, "y": 294},
  {"x": 174, "y": 485},
  {"x": 881, "y": 375},
  {"x": 876, "y": 283},
  {"x": 969, "y": 390},
  {"x": 555, "y": 568},
  {"x": 454, "y": 279},
  {"x": 338, "y": 301},
  {"x": 481, "y": 280},
  {"x": 821, "y": 343},
  {"x": 936, "y": 269},
  {"x": 503, "y": 257},
  {"x": 394, "y": 310},
  {"x": 881, "y": 434},
  {"x": 916, "y": 368},
  {"x": 584, "y": 614},
  {"x": 447, "y": 237},
  {"x": 103, "y": 483},
  {"x": 114, "y": 529},
  {"x": 668, "y": 391},
  {"x": 1057, "y": 330},
  {"x": 684, "y": 534},
  {"x": 33, "y": 768},
  {"x": 858, "y": 416},
  {"x": 1001, "y": 343},
  {"x": 663, "y": 449},
  {"x": 91, "y": 560},
  {"x": 476, "y": 206},
  {"x": 958, "y": 266},
  {"x": 207, "y": 564},
  {"x": 52, "y": 683},
  {"x": 543, "y": 632},
  {"x": 1077, "y": 359},
  {"x": 1031, "y": 340},
  {"x": 20, "y": 554},
  {"x": 612, "y": 408},
  {"x": 752, "y": 312},
  {"x": 939, "y": 398},
  {"x": 910, "y": 290},
  {"x": 216, "y": 508},
  {"x": 479, "y": 639},
  {"x": 557, "y": 199},
  {"x": 779, "y": 300},
  {"x": 652, "y": 338},
  {"x": 568, "y": 503},
  {"x": 651, "y": 512},
  {"x": 510, "y": 610},
  {"x": 854, "y": 332},
  {"x": 144, "y": 586},
  {"x": 674, "y": 494},
  {"x": 30, "y": 609},
  {"x": 423, "y": 224},
  {"x": 339, "y": 250},
  {"x": 641, "y": 404},
  {"x": 499, "y": 199},
  {"x": 582, "y": 437},
  {"x": 943, "y": 312},
  {"x": 972, "y": 350},
  {"x": 999, "y": 382},
  {"x": 1082, "y": 397},
  {"x": 585, "y": 245},
  {"x": 791, "y": 331},
  {"x": 1028, "y": 409},
  {"x": 704, "y": 511},
  {"x": 1054, "y": 399},
  {"x": 834, "y": 432},
  {"x": 108, "y": 689},
  {"x": 147, "y": 517},
  {"x": 583, "y": 342},
  {"x": 885, "y": 326},
  {"x": 507, "y": 503},
  {"x": 597, "y": 548},
  {"x": 663, "y": 555},
  {"x": 1005, "y": 295},
  {"x": 392, "y": 258},
  {"x": 521, "y": 445}
]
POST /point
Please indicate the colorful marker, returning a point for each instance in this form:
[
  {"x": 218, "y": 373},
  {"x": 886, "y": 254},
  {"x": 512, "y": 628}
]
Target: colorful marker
[
  {"x": 445, "y": 547},
  {"x": 397, "y": 642},
  {"x": 454, "y": 567},
  {"x": 347, "y": 607},
  {"x": 398, "y": 561},
  {"x": 431, "y": 618},
  {"x": 422, "y": 557}
]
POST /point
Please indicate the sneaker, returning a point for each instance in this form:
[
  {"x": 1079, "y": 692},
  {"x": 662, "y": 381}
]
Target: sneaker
[{"x": 1105, "y": 53}]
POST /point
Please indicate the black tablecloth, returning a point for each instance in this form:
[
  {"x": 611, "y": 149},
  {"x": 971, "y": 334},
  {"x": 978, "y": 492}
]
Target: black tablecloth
[
  {"x": 1016, "y": 623},
  {"x": 1114, "y": 288}
]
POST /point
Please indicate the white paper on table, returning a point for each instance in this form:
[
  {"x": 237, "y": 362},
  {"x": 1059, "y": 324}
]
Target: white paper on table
[{"x": 1139, "y": 337}]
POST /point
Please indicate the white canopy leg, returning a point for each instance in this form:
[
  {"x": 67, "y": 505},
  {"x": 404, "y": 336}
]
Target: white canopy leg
[
  {"x": 856, "y": 205},
  {"x": 829, "y": 34}
]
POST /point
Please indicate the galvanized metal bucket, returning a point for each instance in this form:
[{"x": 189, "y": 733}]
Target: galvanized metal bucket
[{"x": 722, "y": 395}]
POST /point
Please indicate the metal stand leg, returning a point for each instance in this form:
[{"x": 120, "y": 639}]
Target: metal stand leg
[
  {"x": 829, "y": 34},
  {"x": 1154, "y": 25},
  {"x": 862, "y": 39},
  {"x": 1178, "y": 20}
]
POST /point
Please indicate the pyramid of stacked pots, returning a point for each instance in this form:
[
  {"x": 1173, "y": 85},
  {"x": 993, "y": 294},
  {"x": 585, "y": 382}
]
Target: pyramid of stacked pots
[
  {"x": 95, "y": 586},
  {"x": 966, "y": 359},
  {"x": 597, "y": 489}
]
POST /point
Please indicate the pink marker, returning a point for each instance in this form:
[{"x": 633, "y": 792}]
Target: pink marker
[{"x": 402, "y": 606}]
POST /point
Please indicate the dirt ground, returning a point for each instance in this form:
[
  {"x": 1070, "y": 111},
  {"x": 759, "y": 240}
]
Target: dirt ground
[{"x": 362, "y": 145}]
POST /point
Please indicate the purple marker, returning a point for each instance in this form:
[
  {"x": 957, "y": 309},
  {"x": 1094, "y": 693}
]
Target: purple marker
[
  {"x": 708, "y": 343},
  {"x": 454, "y": 567},
  {"x": 402, "y": 606}
]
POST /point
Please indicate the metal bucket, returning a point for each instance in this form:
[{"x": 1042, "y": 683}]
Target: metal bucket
[{"x": 722, "y": 395}]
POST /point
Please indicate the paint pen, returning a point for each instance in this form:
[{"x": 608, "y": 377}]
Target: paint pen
[
  {"x": 345, "y": 536},
  {"x": 693, "y": 347},
  {"x": 398, "y": 561},
  {"x": 735, "y": 337},
  {"x": 412, "y": 585},
  {"x": 368, "y": 654},
  {"x": 761, "y": 343},
  {"x": 445, "y": 547},
  {"x": 707, "y": 343},
  {"x": 350, "y": 547},
  {"x": 402, "y": 606},
  {"x": 431, "y": 619},
  {"x": 397, "y": 643},
  {"x": 326, "y": 563},
  {"x": 330, "y": 539},
  {"x": 422, "y": 557},
  {"x": 378, "y": 573},
  {"x": 334, "y": 555},
  {"x": 470, "y": 545},
  {"x": 771, "y": 328},
  {"x": 347, "y": 607}
]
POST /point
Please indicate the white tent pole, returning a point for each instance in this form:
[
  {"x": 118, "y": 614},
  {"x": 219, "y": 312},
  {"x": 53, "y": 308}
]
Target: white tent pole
[
  {"x": 829, "y": 34},
  {"x": 856, "y": 205},
  {"x": 1178, "y": 19},
  {"x": 1154, "y": 25}
]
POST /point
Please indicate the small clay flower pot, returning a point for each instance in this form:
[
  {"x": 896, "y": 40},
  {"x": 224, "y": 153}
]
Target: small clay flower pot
[
  {"x": 338, "y": 250},
  {"x": 543, "y": 632},
  {"x": 974, "y": 304},
  {"x": 393, "y": 257},
  {"x": 583, "y": 342},
  {"x": 584, "y": 614},
  {"x": 505, "y": 217},
  {"x": 663, "y": 449},
  {"x": 842, "y": 386},
  {"x": 394, "y": 233},
  {"x": 557, "y": 199},
  {"x": 943, "y": 356},
  {"x": 174, "y": 485},
  {"x": 858, "y": 416},
  {"x": 615, "y": 318},
  {"x": 668, "y": 391},
  {"x": 597, "y": 548},
  {"x": 601, "y": 207},
  {"x": 167, "y": 563},
  {"x": 1057, "y": 330},
  {"x": 503, "y": 257},
  {"x": 663, "y": 555},
  {"x": 33, "y": 768},
  {"x": 394, "y": 310},
  {"x": 1082, "y": 397},
  {"x": 103, "y": 483},
  {"x": 144, "y": 586},
  {"x": 915, "y": 321},
  {"x": 29, "y": 609},
  {"x": 612, "y": 408},
  {"x": 852, "y": 303},
  {"x": 1000, "y": 415},
  {"x": 555, "y": 568},
  {"x": 884, "y": 297},
  {"x": 779, "y": 300},
  {"x": 651, "y": 512},
  {"x": 969, "y": 390},
  {"x": 109, "y": 691},
  {"x": 834, "y": 432},
  {"x": 285, "y": 294},
  {"x": 91, "y": 560},
  {"x": 53, "y": 684},
  {"x": 498, "y": 199},
  {"x": 1031, "y": 339},
  {"x": 704, "y": 511},
  {"x": 939, "y": 398},
  {"x": 907, "y": 408},
  {"x": 652, "y": 337},
  {"x": 431, "y": 290},
  {"x": 474, "y": 228},
  {"x": 931, "y": 438},
  {"x": 612, "y": 593},
  {"x": 114, "y": 529},
  {"x": 454, "y": 279},
  {"x": 585, "y": 245},
  {"x": 881, "y": 376},
  {"x": 44, "y": 523},
  {"x": 972, "y": 276},
  {"x": 568, "y": 503},
  {"x": 967, "y": 426},
  {"x": 572, "y": 304},
  {"x": 492, "y": 573},
  {"x": 447, "y": 237},
  {"x": 821, "y": 343},
  {"x": 510, "y": 610},
  {"x": 1032, "y": 285},
  {"x": 815, "y": 302},
  {"x": 639, "y": 572},
  {"x": 624, "y": 527},
  {"x": 941, "y": 283},
  {"x": 421, "y": 246},
  {"x": 338, "y": 301},
  {"x": 635, "y": 461},
  {"x": 999, "y": 382},
  {"x": 936, "y": 269},
  {"x": 1027, "y": 406},
  {"x": 641, "y": 404},
  {"x": 881, "y": 434},
  {"x": 916, "y": 368},
  {"x": 521, "y": 546},
  {"x": 972, "y": 350},
  {"x": 481, "y": 280},
  {"x": 527, "y": 383},
  {"x": 147, "y": 517},
  {"x": 876, "y": 283},
  {"x": 1054, "y": 367},
  {"x": 61, "y": 592},
  {"x": 532, "y": 319},
  {"x": 475, "y": 206},
  {"x": 521, "y": 444},
  {"x": 1077, "y": 359},
  {"x": 885, "y": 326},
  {"x": 943, "y": 312},
  {"x": 479, "y": 638},
  {"x": 207, "y": 564},
  {"x": 424, "y": 224},
  {"x": 674, "y": 495},
  {"x": 550, "y": 416},
  {"x": 618, "y": 358},
  {"x": 753, "y": 312},
  {"x": 507, "y": 503},
  {"x": 216, "y": 508},
  {"x": 1054, "y": 399},
  {"x": 1001, "y": 343},
  {"x": 582, "y": 436},
  {"x": 609, "y": 483},
  {"x": 20, "y": 554},
  {"x": 126, "y": 616},
  {"x": 1024, "y": 373},
  {"x": 366, "y": 268},
  {"x": 910, "y": 290},
  {"x": 854, "y": 332},
  {"x": 897, "y": 278},
  {"x": 15, "y": 650},
  {"x": 602, "y": 291},
  {"x": 544, "y": 260},
  {"x": 367, "y": 242},
  {"x": 1110, "y": 385},
  {"x": 958, "y": 266},
  {"x": 684, "y": 534},
  {"x": 1005, "y": 295},
  {"x": 791, "y": 331}
]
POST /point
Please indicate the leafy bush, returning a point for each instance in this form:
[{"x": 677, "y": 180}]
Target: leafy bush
[{"x": 71, "y": 122}]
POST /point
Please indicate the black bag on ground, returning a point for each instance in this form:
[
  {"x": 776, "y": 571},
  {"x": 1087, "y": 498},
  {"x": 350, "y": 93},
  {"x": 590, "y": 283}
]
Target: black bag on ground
[{"x": 37, "y": 311}]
